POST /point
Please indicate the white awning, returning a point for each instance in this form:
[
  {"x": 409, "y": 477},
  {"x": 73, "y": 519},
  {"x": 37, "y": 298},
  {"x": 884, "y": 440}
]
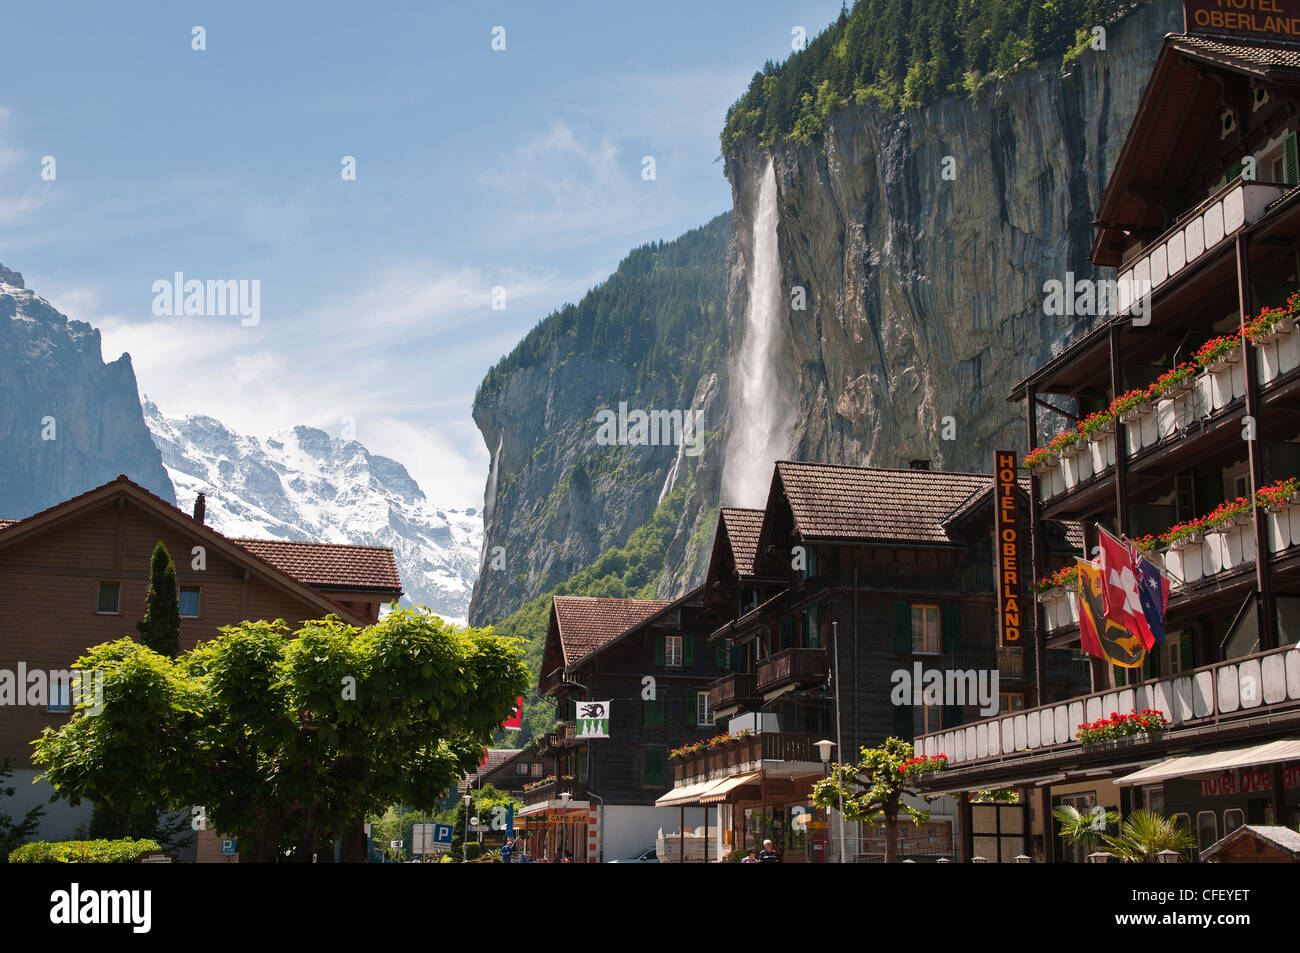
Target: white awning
[
  {"x": 1215, "y": 761},
  {"x": 719, "y": 790},
  {"x": 685, "y": 794}
]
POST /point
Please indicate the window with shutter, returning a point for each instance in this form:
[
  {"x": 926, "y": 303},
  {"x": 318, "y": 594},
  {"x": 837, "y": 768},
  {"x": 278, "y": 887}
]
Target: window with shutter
[
  {"x": 719, "y": 657},
  {"x": 654, "y": 710},
  {"x": 787, "y": 633},
  {"x": 952, "y": 628},
  {"x": 903, "y": 628},
  {"x": 903, "y": 722},
  {"x": 688, "y": 645},
  {"x": 1292, "y": 159},
  {"x": 1187, "y": 653},
  {"x": 659, "y": 650},
  {"x": 652, "y": 767}
]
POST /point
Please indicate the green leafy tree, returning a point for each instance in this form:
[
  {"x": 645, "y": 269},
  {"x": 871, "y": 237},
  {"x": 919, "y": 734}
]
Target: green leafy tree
[
  {"x": 874, "y": 788},
  {"x": 160, "y": 629},
  {"x": 12, "y": 832},
  {"x": 289, "y": 741},
  {"x": 1144, "y": 834}
]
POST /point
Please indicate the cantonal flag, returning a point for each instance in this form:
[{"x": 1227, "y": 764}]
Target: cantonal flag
[
  {"x": 1088, "y": 580},
  {"x": 1119, "y": 588},
  {"x": 1099, "y": 634}
]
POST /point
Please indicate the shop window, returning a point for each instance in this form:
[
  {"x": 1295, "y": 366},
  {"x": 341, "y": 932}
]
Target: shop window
[
  {"x": 925, "y": 630},
  {"x": 1207, "y": 829},
  {"x": 110, "y": 598},
  {"x": 1232, "y": 819},
  {"x": 189, "y": 602}
]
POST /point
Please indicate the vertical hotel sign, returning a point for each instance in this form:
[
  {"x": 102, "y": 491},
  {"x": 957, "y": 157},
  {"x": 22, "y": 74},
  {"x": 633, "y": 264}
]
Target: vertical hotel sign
[
  {"x": 1007, "y": 525},
  {"x": 1245, "y": 19}
]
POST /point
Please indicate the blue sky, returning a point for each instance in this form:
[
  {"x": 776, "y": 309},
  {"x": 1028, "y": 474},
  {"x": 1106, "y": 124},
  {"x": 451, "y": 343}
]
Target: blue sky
[{"x": 475, "y": 168}]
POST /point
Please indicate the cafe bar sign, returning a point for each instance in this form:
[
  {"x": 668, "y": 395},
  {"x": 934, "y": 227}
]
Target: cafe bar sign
[
  {"x": 1007, "y": 526},
  {"x": 1243, "y": 19}
]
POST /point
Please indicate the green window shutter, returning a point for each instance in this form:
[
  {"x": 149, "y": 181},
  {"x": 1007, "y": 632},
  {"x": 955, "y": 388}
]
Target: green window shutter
[
  {"x": 737, "y": 658},
  {"x": 1186, "y": 652},
  {"x": 1151, "y": 664},
  {"x": 812, "y": 634},
  {"x": 659, "y": 650},
  {"x": 654, "y": 710},
  {"x": 688, "y": 650},
  {"x": 719, "y": 657},
  {"x": 951, "y": 631},
  {"x": 1235, "y": 170},
  {"x": 903, "y": 722},
  {"x": 652, "y": 767},
  {"x": 1292, "y": 159},
  {"x": 722, "y": 725},
  {"x": 787, "y": 633},
  {"x": 902, "y": 628}
]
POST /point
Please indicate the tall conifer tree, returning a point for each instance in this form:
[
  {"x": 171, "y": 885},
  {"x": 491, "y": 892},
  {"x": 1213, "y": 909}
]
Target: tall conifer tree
[{"x": 161, "y": 627}]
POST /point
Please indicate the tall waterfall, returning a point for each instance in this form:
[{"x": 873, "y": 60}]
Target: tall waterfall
[{"x": 762, "y": 411}]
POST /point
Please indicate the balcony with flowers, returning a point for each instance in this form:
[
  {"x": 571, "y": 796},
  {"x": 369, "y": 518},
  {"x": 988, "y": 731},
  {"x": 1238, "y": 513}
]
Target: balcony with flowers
[
  {"x": 1211, "y": 385},
  {"x": 1193, "y": 552},
  {"x": 735, "y": 753}
]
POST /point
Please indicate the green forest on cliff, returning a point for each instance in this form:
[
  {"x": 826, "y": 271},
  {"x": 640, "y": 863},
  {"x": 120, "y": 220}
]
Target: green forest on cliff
[{"x": 904, "y": 53}]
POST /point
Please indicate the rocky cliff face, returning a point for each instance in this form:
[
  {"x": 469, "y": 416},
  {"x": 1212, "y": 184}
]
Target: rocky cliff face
[
  {"x": 68, "y": 421},
  {"x": 924, "y": 294},
  {"x": 559, "y": 494}
]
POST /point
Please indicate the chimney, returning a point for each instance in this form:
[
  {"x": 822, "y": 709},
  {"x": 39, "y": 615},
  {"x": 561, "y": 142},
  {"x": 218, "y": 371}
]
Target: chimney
[{"x": 200, "y": 508}]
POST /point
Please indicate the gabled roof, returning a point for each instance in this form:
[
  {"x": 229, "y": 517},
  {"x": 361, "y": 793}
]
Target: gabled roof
[
  {"x": 1279, "y": 838},
  {"x": 496, "y": 757},
  {"x": 585, "y": 623},
  {"x": 865, "y": 504},
  {"x": 13, "y": 531},
  {"x": 742, "y": 528},
  {"x": 1178, "y": 113},
  {"x": 330, "y": 565}
]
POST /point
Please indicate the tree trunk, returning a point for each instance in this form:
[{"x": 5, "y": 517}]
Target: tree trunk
[
  {"x": 354, "y": 843},
  {"x": 891, "y": 838}
]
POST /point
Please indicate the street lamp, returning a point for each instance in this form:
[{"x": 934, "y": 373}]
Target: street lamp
[
  {"x": 464, "y": 844},
  {"x": 979, "y": 860},
  {"x": 1099, "y": 857},
  {"x": 1023, "y": 859},
  {"x": 1167, "y": 856},
  {"x": 824, "y": 750},
  {"x": 564, "y": 821}
]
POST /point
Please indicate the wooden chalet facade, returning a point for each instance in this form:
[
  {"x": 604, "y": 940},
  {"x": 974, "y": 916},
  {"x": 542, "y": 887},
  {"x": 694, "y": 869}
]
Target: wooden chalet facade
[
  {"x": 900, "y": 564},
  {"x": 600, "y": 799},
  {"x": 1202, "y": 208},
  {"x": 75, "y": 575}
]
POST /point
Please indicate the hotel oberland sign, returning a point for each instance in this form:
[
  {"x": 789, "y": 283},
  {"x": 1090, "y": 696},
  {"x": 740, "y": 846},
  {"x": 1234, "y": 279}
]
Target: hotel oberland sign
[
  {"x": 1008, "y": 548},
  {"x": 1246, "y": 19}
]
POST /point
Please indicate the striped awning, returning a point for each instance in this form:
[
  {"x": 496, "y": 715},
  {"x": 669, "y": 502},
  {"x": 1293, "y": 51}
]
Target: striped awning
[
  {"x": 684, "y": 794},
  {"x": 1215, "y": 761}
]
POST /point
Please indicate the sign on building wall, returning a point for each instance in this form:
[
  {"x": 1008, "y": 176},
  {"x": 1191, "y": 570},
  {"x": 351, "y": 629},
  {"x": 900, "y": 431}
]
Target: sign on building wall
[
  {"x": 593, "y": 719},
  {"x": 1246, "y": 19},
  {"x": 1007, "y": 525}
]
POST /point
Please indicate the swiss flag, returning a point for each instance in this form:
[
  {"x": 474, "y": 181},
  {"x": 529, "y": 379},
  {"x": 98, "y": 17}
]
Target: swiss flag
[{"x": 1119, "y": 588}]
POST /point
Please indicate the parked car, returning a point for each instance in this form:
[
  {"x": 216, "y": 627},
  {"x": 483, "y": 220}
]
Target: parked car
[{"x": 647, "y": 856}]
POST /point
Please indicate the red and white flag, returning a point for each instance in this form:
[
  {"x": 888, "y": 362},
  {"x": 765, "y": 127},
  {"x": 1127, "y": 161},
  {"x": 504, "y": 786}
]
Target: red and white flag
[{"x": 1119, "y": 588}]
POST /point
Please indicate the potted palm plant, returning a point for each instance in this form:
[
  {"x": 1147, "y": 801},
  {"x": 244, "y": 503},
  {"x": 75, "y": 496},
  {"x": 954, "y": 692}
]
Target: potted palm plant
[{"x": 1144, "y": 834}]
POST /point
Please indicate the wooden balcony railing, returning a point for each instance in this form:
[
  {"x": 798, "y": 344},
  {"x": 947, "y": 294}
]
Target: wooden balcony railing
[
  {"x": 568, "y": 734},
  {"x": 747, "y": 754},
  {"x": 793, "y": 666},
  {"x": 738, "y": 689},
  {"x": 577, "y": 791},
  {"x": 549, "y": 744},
  {"x": 1265, "y": 682}
]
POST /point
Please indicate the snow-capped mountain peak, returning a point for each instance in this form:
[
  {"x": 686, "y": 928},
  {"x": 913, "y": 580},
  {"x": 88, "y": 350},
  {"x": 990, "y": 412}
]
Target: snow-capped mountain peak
[{"x": 303, "y": 484}]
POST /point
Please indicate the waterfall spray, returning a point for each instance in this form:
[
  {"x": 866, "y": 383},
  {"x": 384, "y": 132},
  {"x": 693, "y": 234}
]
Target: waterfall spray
[{"x": 762, "y": 412}]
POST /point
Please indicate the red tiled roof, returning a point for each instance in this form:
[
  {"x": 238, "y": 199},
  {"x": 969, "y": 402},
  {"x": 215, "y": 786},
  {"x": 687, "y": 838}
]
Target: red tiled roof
[
  {"x": 495, "y": 758},
  {"x": 334, "y": 565},
  {"x": 832, "y": 502},
  {"x": 586, "y": 623},
  {"x": 742, "y": 528}
]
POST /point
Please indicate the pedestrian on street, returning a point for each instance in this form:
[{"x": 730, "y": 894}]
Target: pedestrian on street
[
  {"x": 767, "y": 855},
  {"x": 750, "y": 857}
]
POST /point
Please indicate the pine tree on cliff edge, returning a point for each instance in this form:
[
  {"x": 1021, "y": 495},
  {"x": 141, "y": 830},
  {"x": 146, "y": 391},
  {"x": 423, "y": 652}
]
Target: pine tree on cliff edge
[{"x": 160, "y": 629}]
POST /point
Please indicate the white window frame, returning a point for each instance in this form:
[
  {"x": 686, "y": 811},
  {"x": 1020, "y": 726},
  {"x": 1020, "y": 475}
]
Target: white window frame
[
  {"x": 923, "y": 648},
  {"x": 703, "y": 715},
  {"x": 673, "y": 651}
]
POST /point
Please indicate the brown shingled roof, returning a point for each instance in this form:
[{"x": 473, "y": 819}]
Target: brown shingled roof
[
  {"x": 832, "y": 502},
  {"x": 586, "y": 623},
  {"x": 742, "y": 528},
  {"x": 1238, "y": 54},
  {"x": 329, "y": 565},
  {"x": 495, "y": 758}
]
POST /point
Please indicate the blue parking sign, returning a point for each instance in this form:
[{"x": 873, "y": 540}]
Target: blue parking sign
[
  {"x": 229, "y": 846},
  {"x": 442, "y": 835}
]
